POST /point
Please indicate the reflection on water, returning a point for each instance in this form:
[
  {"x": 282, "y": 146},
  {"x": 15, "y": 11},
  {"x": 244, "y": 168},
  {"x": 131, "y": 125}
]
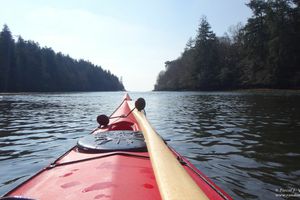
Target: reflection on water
[{"x": 247, "y": 143}]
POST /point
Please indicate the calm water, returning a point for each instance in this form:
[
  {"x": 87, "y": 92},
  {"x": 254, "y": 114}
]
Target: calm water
[{"x": 246, "y": 142}]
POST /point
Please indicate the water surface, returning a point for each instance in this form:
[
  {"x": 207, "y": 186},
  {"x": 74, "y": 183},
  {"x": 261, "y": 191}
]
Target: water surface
[{"x": 246, "y": 142}]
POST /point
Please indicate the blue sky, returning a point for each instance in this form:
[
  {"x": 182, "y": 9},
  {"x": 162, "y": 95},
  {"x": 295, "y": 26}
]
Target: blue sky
[{"x": 131, "y": 38}]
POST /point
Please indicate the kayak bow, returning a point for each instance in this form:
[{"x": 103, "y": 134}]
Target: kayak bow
[{"x": 124, "y": 158}]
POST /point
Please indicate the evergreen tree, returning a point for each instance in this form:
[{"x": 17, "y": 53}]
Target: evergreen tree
[
  {"x": 263, "y": 53},
  {"x": 6, "y": 58},
  {"x": 26, "y": 67},
  {"x": 206, "y": 60}
]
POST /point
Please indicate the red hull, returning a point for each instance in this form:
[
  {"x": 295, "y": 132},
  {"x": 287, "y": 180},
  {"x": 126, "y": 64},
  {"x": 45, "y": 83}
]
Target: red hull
[{"x": 109, "y": 175}]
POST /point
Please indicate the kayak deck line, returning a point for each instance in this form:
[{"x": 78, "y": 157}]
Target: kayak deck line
[
  {"x": 111, "y": 173},
  {"x": 97, "y": 157}
]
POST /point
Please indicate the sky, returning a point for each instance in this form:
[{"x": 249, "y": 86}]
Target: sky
[{"x": 131, "y": 38}]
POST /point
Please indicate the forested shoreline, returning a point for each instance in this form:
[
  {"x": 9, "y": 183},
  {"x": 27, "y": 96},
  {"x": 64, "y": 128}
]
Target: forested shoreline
[
  {"x": 27, "y": 67},
  {"x": 263, "y": 53}
]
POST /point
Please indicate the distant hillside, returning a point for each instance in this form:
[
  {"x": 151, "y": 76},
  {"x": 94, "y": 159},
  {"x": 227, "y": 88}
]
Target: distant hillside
[
  {"x": 26, "y": 67},
  {"x": 265, "y": 53}
]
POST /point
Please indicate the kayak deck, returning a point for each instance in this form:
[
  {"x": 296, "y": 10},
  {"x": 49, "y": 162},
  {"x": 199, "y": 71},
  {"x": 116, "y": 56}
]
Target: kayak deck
[
  {"x": 80, "y": 174},
  {"x": 114, "y": 176}
]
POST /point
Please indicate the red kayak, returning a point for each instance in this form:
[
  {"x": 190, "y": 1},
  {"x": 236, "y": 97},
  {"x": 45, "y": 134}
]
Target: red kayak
[{"x": 111, "y": 163}]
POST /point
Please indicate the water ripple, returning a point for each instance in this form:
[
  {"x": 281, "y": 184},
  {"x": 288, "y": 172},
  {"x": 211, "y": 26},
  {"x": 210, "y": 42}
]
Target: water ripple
[{"x": 248, "y": 143}]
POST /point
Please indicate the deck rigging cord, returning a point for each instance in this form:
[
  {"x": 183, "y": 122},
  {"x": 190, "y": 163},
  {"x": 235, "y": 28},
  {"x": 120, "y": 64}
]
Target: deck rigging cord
[{"x": 103, "y": 120}]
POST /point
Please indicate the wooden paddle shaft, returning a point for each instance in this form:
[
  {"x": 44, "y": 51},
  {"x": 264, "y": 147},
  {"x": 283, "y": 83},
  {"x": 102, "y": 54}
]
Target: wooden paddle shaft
[{"x": 172, "y": 179}]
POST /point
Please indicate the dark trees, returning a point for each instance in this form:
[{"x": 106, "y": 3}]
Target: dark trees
[
  {"x": 263, "y": 53},
  {"x": 7, "y": 67},
  {"x": 26, "y": 67},
  {"x": 196, "y": 67},
  {"x": 270, "y": 38}
]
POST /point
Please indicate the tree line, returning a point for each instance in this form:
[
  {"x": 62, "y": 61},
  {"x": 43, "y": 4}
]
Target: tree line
[
  {"x": 26, "y": 67},
  {"x": 264, "y": 53}
]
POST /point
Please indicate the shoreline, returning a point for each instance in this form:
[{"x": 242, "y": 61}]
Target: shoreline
[{"x": 234, "y": 90}]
